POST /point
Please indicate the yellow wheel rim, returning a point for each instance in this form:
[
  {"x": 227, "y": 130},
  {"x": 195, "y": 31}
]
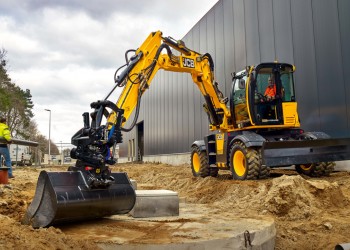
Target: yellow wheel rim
[
  {"x": 239, "y": 163},
  {"x": 306, "y": 167},
  {"x": 196, "y": 162}
]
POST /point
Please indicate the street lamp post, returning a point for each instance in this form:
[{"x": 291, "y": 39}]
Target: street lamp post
[
  {"x": 62, "y": 158},
  {"x": 49, "y": 110}
]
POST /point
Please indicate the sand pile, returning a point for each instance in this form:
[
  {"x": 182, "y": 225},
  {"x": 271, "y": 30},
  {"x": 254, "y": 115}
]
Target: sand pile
[{"x": 293, "y": 197}]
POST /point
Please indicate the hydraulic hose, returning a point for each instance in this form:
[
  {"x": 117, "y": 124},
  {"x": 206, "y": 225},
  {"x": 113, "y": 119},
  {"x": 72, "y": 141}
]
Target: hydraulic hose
[
  {"x": 161, "y": 47},
  {"x": 210, "y": 59},
  {"x": 136, "y": 114}
]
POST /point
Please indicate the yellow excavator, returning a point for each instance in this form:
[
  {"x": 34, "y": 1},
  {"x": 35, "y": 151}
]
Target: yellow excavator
[{"x": 253, "y": 130}]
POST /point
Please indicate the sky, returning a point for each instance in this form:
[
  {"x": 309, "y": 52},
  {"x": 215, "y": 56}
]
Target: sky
[{"x": 66, "y": 51}]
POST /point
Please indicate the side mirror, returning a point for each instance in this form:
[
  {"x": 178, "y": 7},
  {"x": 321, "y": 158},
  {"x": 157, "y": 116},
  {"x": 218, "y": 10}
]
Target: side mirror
[{"x": 241, "y": 84}]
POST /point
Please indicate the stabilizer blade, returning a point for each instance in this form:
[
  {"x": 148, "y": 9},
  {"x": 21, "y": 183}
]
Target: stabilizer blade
[{"x": 283, "y": 153}]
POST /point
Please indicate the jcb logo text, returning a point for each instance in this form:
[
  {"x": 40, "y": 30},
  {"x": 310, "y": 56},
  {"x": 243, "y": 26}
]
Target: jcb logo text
[{"x": 187, "y": 62}]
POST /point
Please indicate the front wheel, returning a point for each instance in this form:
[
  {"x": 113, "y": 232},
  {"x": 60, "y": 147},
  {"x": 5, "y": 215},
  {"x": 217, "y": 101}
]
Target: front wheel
[
  {"x": 199, "y": 162},
  {"x": 244, "y": 162}
]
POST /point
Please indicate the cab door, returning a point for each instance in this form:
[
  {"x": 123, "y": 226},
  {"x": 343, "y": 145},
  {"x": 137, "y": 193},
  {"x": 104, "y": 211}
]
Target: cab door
[{"x": 238, "y": 103}]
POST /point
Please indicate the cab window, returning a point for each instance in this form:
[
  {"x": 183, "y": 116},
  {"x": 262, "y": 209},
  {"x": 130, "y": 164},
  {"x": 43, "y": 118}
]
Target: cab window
[{"x": 239, "y": 100}]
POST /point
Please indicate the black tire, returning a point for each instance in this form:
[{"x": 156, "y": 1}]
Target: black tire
[
  {"x": 214, "y": 172},
  {"x": 316, "y": 169},
  {"x": 264, "y": 171},
  {"x": 328, "y": 168},
  {"x": 199, "y": 163},
  {"x": 244, "y": 162}
]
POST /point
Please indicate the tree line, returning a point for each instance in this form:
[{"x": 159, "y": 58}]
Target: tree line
[{"x": 17, "y": 106}]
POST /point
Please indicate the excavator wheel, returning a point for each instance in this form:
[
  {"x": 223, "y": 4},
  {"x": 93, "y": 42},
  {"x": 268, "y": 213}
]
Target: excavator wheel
[
  {"x": 214, "y": 172},
  {"x": 199, "y": 163},
  {"x": 328, "y": 167},
  {"x": 316, "y": 169},
  {"x": 244, "y": 162},
  {"x": 264, "y": 171}
]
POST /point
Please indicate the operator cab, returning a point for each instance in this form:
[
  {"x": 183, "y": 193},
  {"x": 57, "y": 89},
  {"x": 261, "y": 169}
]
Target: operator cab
[{"x": 265, "y": 97}]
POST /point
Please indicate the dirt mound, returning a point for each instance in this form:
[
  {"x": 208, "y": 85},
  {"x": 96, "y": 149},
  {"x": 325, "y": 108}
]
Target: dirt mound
[
  {"x": 293, "y": 197},
  {"x": 16, "y": 236},
  {"x": 13, "y": 200}
]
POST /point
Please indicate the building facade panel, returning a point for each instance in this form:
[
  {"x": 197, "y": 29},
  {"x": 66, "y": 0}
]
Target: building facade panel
[
  {"x": 283, "y": 30},
  {"x": 229, "y": 44},
  {"x": 266, "y": 31},
  {"x": 239, "y": 34},
  {"x": 305, "y": 61},
  {"x": 220, "y": 51},
  {"x": 329, "y": 67},
  {"x": 172, "y": 109},
  {"x": 252, "y": 31},
  {"x": 344, "y": 20}
]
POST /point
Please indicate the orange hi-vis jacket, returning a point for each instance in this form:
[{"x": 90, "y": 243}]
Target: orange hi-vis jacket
[{"x": 270, "y": 91}]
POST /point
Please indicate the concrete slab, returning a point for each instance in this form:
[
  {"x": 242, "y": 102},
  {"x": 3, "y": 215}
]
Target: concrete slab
[
  {"x": 155, "y": 203},
  {"x": 199, "y": 226}
]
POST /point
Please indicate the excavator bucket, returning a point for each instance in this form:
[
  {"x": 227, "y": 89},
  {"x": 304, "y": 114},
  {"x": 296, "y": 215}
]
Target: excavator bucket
[
  {"x": 62, "y": 197},
  {"x": 283, "y": 153}
]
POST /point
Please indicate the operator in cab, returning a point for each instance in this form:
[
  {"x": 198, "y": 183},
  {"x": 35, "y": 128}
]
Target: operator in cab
[{"x": 270, "y": 92}]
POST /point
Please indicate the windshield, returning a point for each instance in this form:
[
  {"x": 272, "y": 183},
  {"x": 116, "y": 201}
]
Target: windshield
[{"x": 285, "y": 90}]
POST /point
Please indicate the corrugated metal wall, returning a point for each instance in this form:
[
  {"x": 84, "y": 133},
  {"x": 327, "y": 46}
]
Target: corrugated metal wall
[{"x": 312, "y": 34}]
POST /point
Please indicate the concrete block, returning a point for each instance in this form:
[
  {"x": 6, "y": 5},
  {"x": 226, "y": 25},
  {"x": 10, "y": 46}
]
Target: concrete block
[
  {"x": 133, "y": 183},
  {"x": 155, "y": 203},
  {"x": 342, "y": 166}
]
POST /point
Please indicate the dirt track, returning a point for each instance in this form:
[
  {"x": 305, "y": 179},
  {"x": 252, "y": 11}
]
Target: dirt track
[{"x": 309, "y": 213}]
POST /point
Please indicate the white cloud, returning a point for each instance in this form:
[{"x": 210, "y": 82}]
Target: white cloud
[{"x": 66, "y": 51}]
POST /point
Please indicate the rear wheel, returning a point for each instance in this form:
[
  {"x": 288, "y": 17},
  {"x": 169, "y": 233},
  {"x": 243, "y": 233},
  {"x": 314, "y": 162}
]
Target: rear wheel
[
  {"x": 315, "y": 169},
  {"x": 244, "y": 162},
  {"x": 328, "y": 167},
  {"x": 264, "y": 171},
  {"x": 199, "y": 163}
]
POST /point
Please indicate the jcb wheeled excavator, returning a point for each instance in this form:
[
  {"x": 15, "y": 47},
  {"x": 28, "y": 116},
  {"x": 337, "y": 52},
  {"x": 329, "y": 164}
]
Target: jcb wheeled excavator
[{"x": 251, "y": 134}]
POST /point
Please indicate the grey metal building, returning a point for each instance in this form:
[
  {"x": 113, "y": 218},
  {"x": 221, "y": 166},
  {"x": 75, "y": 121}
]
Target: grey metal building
[{"x": 314, "y": 35}]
